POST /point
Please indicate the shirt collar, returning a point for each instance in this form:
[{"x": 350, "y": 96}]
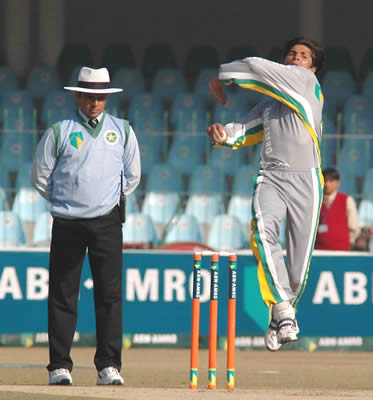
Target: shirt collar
[{"x": 86, "y": 119}]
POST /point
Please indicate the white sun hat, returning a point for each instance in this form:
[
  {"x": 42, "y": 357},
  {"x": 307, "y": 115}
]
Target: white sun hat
[{"x": 93, "y": 81}]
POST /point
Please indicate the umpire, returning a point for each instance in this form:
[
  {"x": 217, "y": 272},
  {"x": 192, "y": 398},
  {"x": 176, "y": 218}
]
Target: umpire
[{"x": 81, "y": 166}]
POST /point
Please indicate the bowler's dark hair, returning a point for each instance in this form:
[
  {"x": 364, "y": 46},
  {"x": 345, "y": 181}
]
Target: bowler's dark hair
[
  {"x": 331, "y": 173},
  {"x": 316, "y": 50}
]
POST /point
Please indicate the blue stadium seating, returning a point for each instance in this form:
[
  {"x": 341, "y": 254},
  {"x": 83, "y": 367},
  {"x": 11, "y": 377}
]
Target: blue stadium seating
[
  {"x": 28, "y": 204},
  {"x": 207, "y": 180},
  {"x": 236, "y": 107},
  {"x": 366, "y": 204},
  {"x": 139, "y": 231},
  {"x": 168, "y": 83},
  {"x": 12, "y": 233},
  {"x": 356, "y": 108},
  {"x": 185, "y": 153},
  {"x": 8, "y": 80},
  {"x": 201, "y": 87},
  {"x": 186, "y": 229},
  {"x": 226, "y": 233},
  {"x": 4, "y": 206},
  {"x": 338, "y": 86},
  {"x": 42, "y": 232},
  {"x": 130, "y": 80},
  {"x": 226, "y": 160},
  {"x": 57, "y": 105},
  {"x": 41, "y": 81}
]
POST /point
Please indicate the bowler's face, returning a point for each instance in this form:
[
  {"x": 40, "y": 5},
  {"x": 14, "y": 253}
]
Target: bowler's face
[
  {"x": 91, "y": 104},
  {"x": 301, "y": 56}
]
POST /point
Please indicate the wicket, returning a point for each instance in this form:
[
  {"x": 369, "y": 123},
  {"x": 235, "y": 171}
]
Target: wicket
[{"x": 231, "y": 328}]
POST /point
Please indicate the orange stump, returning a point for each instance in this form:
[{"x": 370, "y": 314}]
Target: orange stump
[
  {"x": 193, "y": 381},
  {"x": 213, "y": 320},
  {"x": 231, "y": 329}
]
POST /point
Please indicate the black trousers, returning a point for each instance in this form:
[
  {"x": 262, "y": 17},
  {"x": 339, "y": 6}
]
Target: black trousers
[{"x": 102, "y": 236}]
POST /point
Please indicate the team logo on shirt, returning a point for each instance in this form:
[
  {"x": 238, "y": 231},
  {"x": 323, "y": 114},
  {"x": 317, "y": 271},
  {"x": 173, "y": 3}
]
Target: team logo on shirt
[
  {"x": 76, "y": 139},
  {"x": 111, "y": 137}
]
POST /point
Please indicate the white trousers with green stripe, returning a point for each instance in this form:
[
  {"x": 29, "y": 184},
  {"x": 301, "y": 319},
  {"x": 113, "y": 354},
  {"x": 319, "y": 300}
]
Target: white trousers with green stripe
[{"x": 295, "y": 195}]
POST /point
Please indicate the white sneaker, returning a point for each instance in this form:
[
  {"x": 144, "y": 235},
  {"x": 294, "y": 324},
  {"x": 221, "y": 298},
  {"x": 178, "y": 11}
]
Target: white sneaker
[
  {"x": 287, "y": 330},
  {"x": 109, "y": 376},
  {"x": 60, "y": 376},
  {"x": 270, "y": 337}
]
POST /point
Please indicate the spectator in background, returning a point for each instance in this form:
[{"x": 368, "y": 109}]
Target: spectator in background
[
  {"x": 80, "y": 166},
  {"x": 339, "y": 222}
]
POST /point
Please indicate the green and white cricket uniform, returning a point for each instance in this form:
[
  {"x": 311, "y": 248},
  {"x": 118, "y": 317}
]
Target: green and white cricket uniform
[{"x": 290, "y": 182}]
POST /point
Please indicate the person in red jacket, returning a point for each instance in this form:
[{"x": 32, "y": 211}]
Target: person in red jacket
[{"x": 339, "y": 222}]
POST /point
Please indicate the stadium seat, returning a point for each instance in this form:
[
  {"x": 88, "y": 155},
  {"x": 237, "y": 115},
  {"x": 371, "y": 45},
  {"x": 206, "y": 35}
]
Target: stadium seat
[
  {"x": 156, "y": 57},
  {"x": 139, "y": 231},
  {"x": 12, "y": 233},
  {"x": 167, "y": 83},
  {"x": 5, "y": 182},
  {"x": 113, "y": 105},
  {"x": 366, "y": 204},
  {"x": 227, "y": 161},
  {"x": 164, "y": 188},
  {"x": 356, "y": 108},
  {"x": 338, "y": 86},
  {"x": 151, "y": 150},
  {"x": 366, "y": 65},
  {"x": 185, "y": 229},
  {"x": 329, "y": 144},
  {"x": 4, "y": 206},
  {"x": 41, "y": 81},
  {"x": 117, "y": 55},
  {"x": 58, "y": 105},
  {"x": 29, "y": 205},
  {"x": 185, "y": 153},
  {"x": 130, "y": 80},
  {"x": 243, "y": 181},
  {"x": 207, "y": 180},
  {"x": 143, "y": 104},
  {"x": 198, "y": 58},
  {"x": 131, "y": 204},
  {"x": 236, "y": 107},
  {"x": 329, "y": 110},
  {"x": 42, "y": 232},
  {"x": 239, "y": 204},
  {"x": 356, "y": 156},
  {"x": 201, "y": 85},
  {"x": 226, "y": 233},
  {"x": 367, "y": 86},
  {"x": 23, "y": 176},
  {"x": 163, "y": 178},
  {"x": 240, "y": 207},
  {"x": 161, "y": 208},
  {"x": 205, "y": 207},
  {"x": 188, "y": 117},
  {"x": 8, "y": 80},
  {"x": 186, "y": 106}
]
